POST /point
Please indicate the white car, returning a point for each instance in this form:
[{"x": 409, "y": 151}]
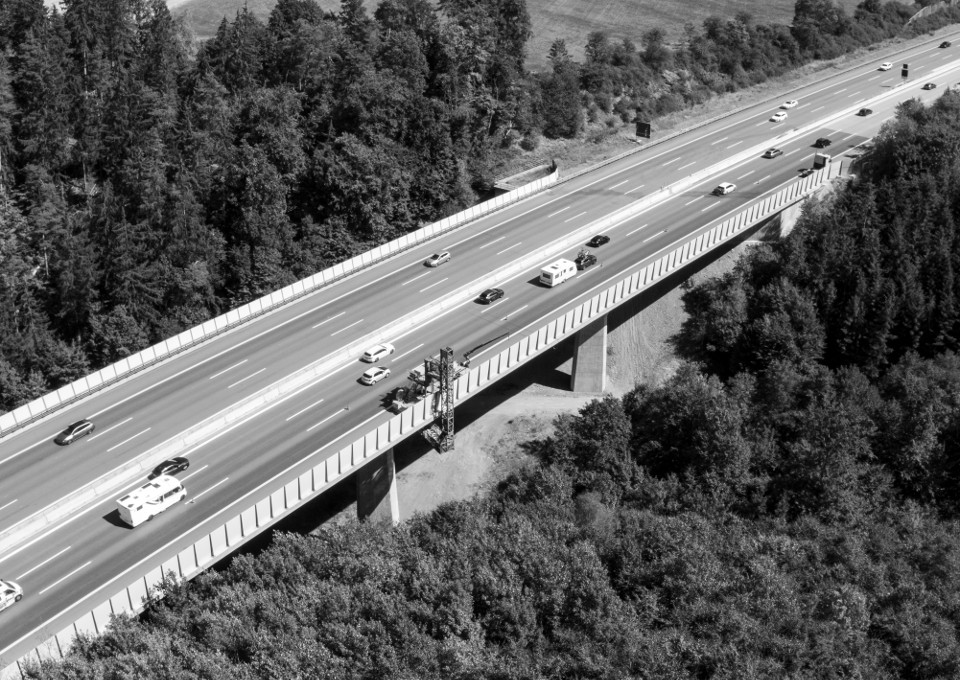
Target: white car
[
  {"x": 377, "y": 352},
  {"x": 374, "y": 375},
  {"x": 724, "y": 188},
  {"x": 437, "y": 259},
  {"x": 886, "y": 66},
  {"x": 789, "y": 104},
  {"x": 778, "y": 117},
  {"x": 10, "y": 592}
]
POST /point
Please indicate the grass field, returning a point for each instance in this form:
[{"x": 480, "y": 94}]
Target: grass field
[{"x": 571, "y": 20}]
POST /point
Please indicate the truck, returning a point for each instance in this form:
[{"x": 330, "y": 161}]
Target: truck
[{"x": 820, "y": 160}]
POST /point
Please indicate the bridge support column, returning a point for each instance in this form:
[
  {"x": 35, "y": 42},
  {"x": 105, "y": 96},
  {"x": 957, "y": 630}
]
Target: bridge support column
[
  {"x": 589, "y": 372},
  {"x": 377, "y": 491}
]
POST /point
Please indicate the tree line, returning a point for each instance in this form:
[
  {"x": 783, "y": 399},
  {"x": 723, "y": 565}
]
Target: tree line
[
  {"x": 148, "y": 183},
  {"x": 785, "y": 506}
]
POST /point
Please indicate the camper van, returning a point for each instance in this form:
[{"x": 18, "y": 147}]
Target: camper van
[
  {"x": 151, "y": 499},
  {"x": 557, "y": 272}
]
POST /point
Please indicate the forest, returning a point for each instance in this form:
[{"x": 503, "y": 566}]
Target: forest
[
  {"x": 785, "y": 506},
  {"x": 148, "y": 183}
]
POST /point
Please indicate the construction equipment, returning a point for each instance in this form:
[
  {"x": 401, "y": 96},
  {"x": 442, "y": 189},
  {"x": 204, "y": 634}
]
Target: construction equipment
[{"x": 437, "y": 378}]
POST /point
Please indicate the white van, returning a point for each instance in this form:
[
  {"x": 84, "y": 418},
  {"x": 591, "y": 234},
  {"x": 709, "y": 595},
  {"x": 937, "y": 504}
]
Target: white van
[{"x": 557, "y": 272}]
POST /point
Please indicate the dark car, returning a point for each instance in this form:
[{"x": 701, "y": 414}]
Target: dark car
[
  {"x": 929, "y": 86},
  {"x": 598, "y": 240},
  {"x": 864, "y": 112},
  {"x": 822, "y": 142},
  {"x": 170, "y": 467},
  {"x": 585, "y": 260},
  {"x": 945, "y": 43},
  {"x": 74, "y": 431},
  {"x": 806, "y": 172},
  {"x": 490, "y": 295}
]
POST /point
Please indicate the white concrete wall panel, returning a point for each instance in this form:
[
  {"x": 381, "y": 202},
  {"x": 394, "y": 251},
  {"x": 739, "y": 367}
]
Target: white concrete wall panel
[
  {"x": 263, "y": 518},
  {"x": 218, "y": 537},
  {"x": 367, "y": 445},
  {"x": 291, "y": 494},
  {"x": 346, "y": 458},
  {"x": 333, "y": 468},
  {"x": 234, "y": 530},
  {"x": 187, "y": 558},
  {"x": 120, "y": 603}
]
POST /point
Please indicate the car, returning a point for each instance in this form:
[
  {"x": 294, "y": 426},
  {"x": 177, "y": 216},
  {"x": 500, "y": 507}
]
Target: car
[
  {"x": 377, "y": 352},
  {"x": 772, "y": 152},
  {"x": 822, "y": 142},
  {"x": 789, "y": 104},
  {"x": 170, "y": 467},
  {"x": 778, "y": 117},
  {"x": 74, "y": 431},
  {"x": 374, "y": 375},
  {"x": 437, "y": 259},
  {"x": 930, "y": 86},
  {"x": 10, "y": 592},
  {"x": 945, "y": 43},
  {"x": 491, "y": 295},
  {"x": 886, "y": 66},
  {"x": 585, "y": 260},
  {"x": 806, "y": 172},
  {"x": 598, "y": 240},
  {"x": 864, "y": 112},
  {"x": 724, "y": 188}
]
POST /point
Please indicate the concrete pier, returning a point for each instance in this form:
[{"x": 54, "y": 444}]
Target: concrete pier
[
  {"x": 589, "y": 372},
  {"x": 377, "y": 490}
]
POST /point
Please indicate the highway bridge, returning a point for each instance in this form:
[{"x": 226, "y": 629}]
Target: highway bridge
[{"x": 251, "y": 469}]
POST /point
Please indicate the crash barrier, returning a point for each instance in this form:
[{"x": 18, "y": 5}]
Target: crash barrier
[
  {"x": 305, "y": 479},
  {"x": 110, "y": 375}
]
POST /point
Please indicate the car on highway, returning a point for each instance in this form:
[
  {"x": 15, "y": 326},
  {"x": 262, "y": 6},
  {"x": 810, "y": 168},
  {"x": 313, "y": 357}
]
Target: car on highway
[
  {"x": 789, "y": 104},
  {"x": 822, "y": 142},
  {"x": 772, "y": 152},
  {"x": 437, "y": 259},
  {"x": 945, "y": 43},
  {"x": 724, "y": 188},
  {"x": 585, "y": 260},
  {"x": 864, "y": 112},
  {"x": 74, "y": 431},
  {"x": 806, "y": 172},
  {"x": 10, "y": 592},
  {"x": 377, "y": 352},
  {"x": 886, "y": 66},
  {"x": 778, "y": 117},
  {"x": 170, "y": 467},
  {"x": 929, "y": 86},
  {"x": 490, "y": 295},
  {"x": 598, "y": 240},
  {"x": 374, "y": 375}
]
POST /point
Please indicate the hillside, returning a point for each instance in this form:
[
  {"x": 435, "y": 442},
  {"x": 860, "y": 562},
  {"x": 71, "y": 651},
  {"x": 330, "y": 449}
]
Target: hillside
[{"x": 571, "y": 20}]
